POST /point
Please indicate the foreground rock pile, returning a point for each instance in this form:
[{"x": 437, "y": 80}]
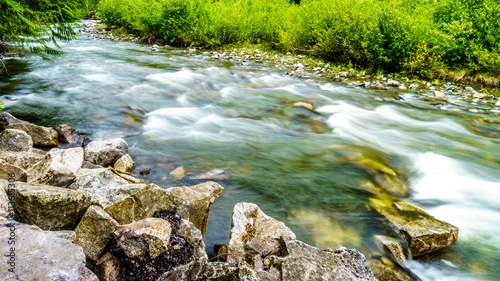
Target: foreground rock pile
[{"x": 76, "y": 213}]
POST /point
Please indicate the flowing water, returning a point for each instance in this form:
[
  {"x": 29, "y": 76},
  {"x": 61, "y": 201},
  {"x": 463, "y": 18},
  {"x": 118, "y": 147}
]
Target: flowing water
[{"x": 178, "y": 109}]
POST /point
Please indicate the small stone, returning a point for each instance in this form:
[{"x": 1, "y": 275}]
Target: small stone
[
  {"x": 439, "y": 94},
  {"x": 478, "y": 95},
  {"x": 402, "y": 87},
  {"x": 145, "y": 172},
  {"x": 305, "y": 105},
  {"x": 125, "y": 164},
  {"x": 179, "y": 172},
  {"x": 15, "y": 140}
]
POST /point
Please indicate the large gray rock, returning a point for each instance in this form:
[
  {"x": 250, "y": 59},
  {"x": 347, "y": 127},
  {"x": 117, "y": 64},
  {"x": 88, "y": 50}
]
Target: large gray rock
[
  {"x": 248, "y": 223},
  {"x": 15, "y": 140},
  {"x": 7, "y": 119},
  {"x": 423, "y": 233},
  {"x": 94, "y": 231},
  {"x": 58, "y": 168},
  {"x": 49, "y": 207},
  {"x": 42, "y": 136},
  {"x": 8, "y": 171},
  {"x": 214, "y": 271},
  {"x": 149, "y": 236},
  {"x": 40, "y": 255},
  {"x": 200, "y": 199},
  {"x": 105, "y": 152},
  {"x": 144, "y": 203},
  {"x": 105, "y": 186},
  {"x": 68, "y": 134},
  {"x": 24, "y": 159}
]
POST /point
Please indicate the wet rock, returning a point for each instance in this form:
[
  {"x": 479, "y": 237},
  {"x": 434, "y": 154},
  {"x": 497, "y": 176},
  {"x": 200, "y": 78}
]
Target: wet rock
[
  {"x": 7, "y": 170},
  {"x": 423, "y": 233},
  {"x": 106, "y": 187},
  {"x": 94, "y": 231},
  {"x": 15, "y": 140},
  {"x": 439, "y": 94},
  {"x": 199, "y": 199},
  {"x": 305, "y": 105},
  {"x": 248, "y": 222},
  {"x": 145, "y": 172},
  {"x": 305, "y": 262},
  {"x": 88, "y": 275},
  {"x": 392, "y": 83},
  {"x": 392, "y": 247},
  {"x": 477, "y": 95},
  {"x": 386, "y": 270},
  {"x": 144, "y": 203},
  {"x": 216, "y": 271},
  {"x": 7, "y": 119},
  {"x": 68, "y": 134},
  {"x": 49, "y": 207},
  {"x": 179, "y": 172},
  {"x": 149, "y": 236},
  {"x": 109, "y": 268},
  {"x": 105, "y": 152},
  {"x": 41, "y": 136},
  {"x": 215, "y": 174},
  {"x": 125, "y": 164},
  {"x": 58, "y": 168},
  {"x": 41, "y": 255}
]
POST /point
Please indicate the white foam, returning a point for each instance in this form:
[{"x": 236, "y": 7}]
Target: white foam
[
  {"x": 97, "y": 77},
  {"x": 90, "y": 48}
]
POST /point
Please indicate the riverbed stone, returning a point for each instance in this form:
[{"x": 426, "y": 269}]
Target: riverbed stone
[
  {"x": 386, "y": 270},
  {"x": 179, "y": 172},
  {"x": 144, "y": 203},
  {"x": 7, "y": 119},
  {"x": 68, "y": 135},
  {"x": 423, "y": 233},
  {"x": 15, "y": 140},
  {"x": 248, "y": 222},
  {"x": 94, "y": 231},
  {"x": 149, "y": 236},
  {"x": 105, "y": 152},
  {"x": 7, "y": 170},
  {"x": 392, "y": 247},
  {"x": 214, "y": 271},
  {"x": 200, "y": 199},
  {"x": 41, "y": 255},
  {"x": 41, "y": 136},
  {"x": 125, "y": 164},
  {"x": 49, "y": 207}
]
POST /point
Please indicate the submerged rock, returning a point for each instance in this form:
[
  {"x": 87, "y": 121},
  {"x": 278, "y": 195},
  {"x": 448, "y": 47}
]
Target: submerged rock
[
  {"x": 40, "y": 255},
  {"x": 179, "y": 172},
  {"x": 214, "y": 271},
  {"x": 41, "y": 136},
  {"x": 15, "y": 140},
  {"x": 199, "y": 199},
  {"x": 392, "y": 247},
  {"x": 423, "y": 233},
  {"x": 386, "y": 270},
  {"x": 105, "y": 152},
  {"x": 215, "y": 174},
  {"x": 94, "y": 231}
]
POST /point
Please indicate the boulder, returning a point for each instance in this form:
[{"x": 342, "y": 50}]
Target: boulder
[
  {"x": 49, "y": 207},
  {"x": 105, "y": 152},
  {"x": 179, "y": 172},
  {"x": 214, "y": 271},
  {"x": 106, "y": 187},
  {"x": 144, "y": 203},
  {"x": 15, "y": 140},
  {"x": 24, "y": 159},
  {"x": 68, "y": 134},
  {"x": 7, "y": 119},
  {"x": 94, "y": 232},
  {"x": 423, "y": 233},
  {"x": 392, "y": 247},
  {"x": 42, "y": 136},
  {"x": 149, "y": 236},
  {"x": 200, "y": 199},
  {"x": 125, "y": 164},
  {"x": 40, "y": 255},
  {"x": 248, "y": 222},
  {"x": 8, "y": 171},
  {"x": 109, "y": 268}
]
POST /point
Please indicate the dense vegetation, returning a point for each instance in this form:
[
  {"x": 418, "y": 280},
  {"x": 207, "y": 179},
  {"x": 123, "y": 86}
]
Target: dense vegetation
[{"x": 410, "y": 36}]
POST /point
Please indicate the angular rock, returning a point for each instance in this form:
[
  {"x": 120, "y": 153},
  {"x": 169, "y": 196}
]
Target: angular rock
[
  {"x": 109, "y": 268},
  {"x": 200, "y": 199},
  {"x": 179, "y": 172},
  {"x": 106, "y": 187},
  {"x": 305, "y": 262},
  {"x": 144, "y": 203},
  {"x": 4, "y": 201},
  {"x": 42, "y": 136},
  {"x": 423, "y": 233},
  {"x": 88, "y": 275},
  {"x": 58, "y": 167},
  {"x": 7, "y": 171},
  {"x": 386, "y": 270},
  {"x": 392, "y": 248},
  {"x": 41, "y": 255},
  {"x": 149, "y": 236},
  {"x": 68, "y": 134},
  {"x": 214, "y": 271},
  {"x": 105, "y": 152},
  {"x": 248, "y": 222},
  {"x": 7, "y": 119},
  {"x": 88, "y": 165},
  {"x": 94, "y": 232},
  {"x": 194, "y": 237},
  {"x": 71, "y": 158},
  {"x": 125, "y": 164},
  {"x": 15, "y": 140},
  {"x": 49, "y": 207},
  {"x": 24, "y": 159}
]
